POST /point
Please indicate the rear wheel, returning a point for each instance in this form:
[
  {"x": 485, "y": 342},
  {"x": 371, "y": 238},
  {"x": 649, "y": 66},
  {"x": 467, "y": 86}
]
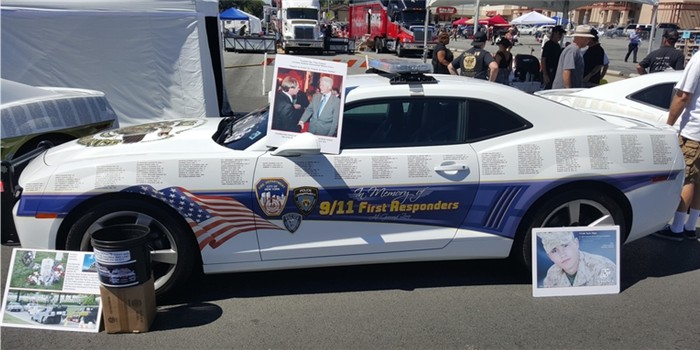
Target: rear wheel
[
  {"x": 576, "y": 207},
  {"x": 172, "y": 244}
]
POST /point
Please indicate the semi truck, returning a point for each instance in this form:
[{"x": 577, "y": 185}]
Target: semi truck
[
  {"x": 391, "y": 25},
  {"x": 299, "y": 25}
]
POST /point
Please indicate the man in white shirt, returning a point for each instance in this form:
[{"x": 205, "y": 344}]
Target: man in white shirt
[{"x": 686, "y": 105}]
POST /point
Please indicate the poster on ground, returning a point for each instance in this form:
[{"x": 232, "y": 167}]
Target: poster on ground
[
  {"x": 307, "y": 95},
  {"x": 52, "y": 289},
  {"x": 575, "y": 260}
]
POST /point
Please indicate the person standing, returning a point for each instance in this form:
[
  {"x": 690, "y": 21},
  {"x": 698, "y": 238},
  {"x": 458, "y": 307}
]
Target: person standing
[
  {"x": 504, "y": 60},
  {"x": 475, "y": 62},
  {"x": 442, "y": 56},
  {"x": 686, "y": 106},
  {"x": 593, "y": 62},
  {"x": 633, "y": 46},
  {"x": 664, "y": 58},
  {"x": 550, "y": 57},
  {"x": 286, "y": 112},
  {"x": 323, "y": 113},
  {"x": 570, "y": 68}
]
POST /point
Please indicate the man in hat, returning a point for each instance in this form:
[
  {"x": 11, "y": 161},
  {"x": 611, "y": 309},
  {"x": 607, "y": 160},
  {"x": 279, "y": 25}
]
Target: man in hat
[
  {"x": 664, "y": 58},
  {"x": 593, "y": 61},
  {"x": 475, "y": 62},
  {"x": 572, "y": 267},
  {"x": 550, "y": 56},
  {"x": 570, "y": 68}
]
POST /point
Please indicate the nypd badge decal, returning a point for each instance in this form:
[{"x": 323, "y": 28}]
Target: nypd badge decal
[
  {"x": 291, "y": 221},
  {"x": 305, "y": 199},
  {"x": 272, "y": 195}
]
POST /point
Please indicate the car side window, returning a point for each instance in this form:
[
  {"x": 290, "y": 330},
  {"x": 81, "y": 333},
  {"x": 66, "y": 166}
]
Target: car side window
[
  {"x": 487, "y": 120},
  {"x": 403, "y": 123},
  {"x": 657, "y": 95}
]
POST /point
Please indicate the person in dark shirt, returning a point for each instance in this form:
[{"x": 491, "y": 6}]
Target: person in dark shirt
[
  {"x": 550, "y": 56},
  {"x": 475, "y": 62},
  {"x": 593, "y": 62},
  {"x": 442, "y": 56},
  {"x": 665, "y": 58}
]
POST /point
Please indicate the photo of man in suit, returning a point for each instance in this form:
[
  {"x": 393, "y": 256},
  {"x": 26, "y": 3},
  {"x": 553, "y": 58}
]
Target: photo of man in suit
[
  {"x": 323, "y": 112},
  {"x": 286, "y": 112}
]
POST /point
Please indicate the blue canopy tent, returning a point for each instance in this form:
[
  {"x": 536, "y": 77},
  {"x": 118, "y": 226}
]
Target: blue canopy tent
[
  {"x": 561, "y": 20},
  {"x": 233, "y": 14}
]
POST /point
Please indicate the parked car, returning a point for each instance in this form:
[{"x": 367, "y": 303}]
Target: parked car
[
  {"x": 646, "y": 30},
  {"x": 430, "y": 167},
  {"x": 85, "y": 314},
  {"x": 14, "y": 306},
  {"x": 50, "y": 314},
  {"x": 527, "y": 29},
  {"x": 615, "y": 32},
  {"x": 30, "y": 115},
  {"x": 545, "y": 28},
  {"x": 667, "y": 26},
  {"x": 646, "y": 98},
  {"x": 32, "y": 308}
]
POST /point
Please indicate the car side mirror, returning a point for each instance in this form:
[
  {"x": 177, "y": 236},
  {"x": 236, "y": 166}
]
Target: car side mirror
[{"x": 302, "y": 144}]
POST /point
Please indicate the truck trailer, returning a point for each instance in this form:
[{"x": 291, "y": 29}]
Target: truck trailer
[
  {"x": 391, "y": 25},
  {"x": 299, "y": 25}
]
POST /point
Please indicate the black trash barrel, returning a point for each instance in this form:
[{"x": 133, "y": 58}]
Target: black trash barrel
[{"x": 123, "y": 258}]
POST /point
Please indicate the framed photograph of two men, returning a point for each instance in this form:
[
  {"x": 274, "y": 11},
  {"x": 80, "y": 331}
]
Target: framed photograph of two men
[
  {"x": 307, "y": 95},
  {"x": 575, "y": 260}
]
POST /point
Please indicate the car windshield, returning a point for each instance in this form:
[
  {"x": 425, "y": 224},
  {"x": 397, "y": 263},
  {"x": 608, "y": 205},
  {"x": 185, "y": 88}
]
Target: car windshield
[
  {"x": 240, "y": 133},
  {"x": 302, "y": 13}
]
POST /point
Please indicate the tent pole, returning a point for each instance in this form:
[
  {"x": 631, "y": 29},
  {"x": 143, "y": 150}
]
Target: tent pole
[
  {"x": 425, "y": 32},
  {"x": 652, "y": 34},
  {"x": 477, "y": 9}
]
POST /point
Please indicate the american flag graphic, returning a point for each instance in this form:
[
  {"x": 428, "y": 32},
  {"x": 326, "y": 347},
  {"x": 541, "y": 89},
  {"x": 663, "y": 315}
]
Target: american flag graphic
[{"x": 214, "y": 219}]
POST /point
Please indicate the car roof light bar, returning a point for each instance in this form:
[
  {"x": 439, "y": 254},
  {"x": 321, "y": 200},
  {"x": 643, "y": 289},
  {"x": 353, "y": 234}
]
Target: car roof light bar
[{"x": 402, "y": 71}]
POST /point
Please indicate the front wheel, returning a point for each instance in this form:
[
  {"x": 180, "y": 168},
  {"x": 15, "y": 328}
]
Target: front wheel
[
  {"x": 576, "y": 207},
  {"x": 172, "y": 244}
]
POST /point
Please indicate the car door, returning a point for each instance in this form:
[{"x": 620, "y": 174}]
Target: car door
[{"x": 404, "y": 180}]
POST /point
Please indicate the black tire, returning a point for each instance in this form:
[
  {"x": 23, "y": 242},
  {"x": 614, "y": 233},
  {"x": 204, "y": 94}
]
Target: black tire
[
  {"x": 556, "y": 212},
  {"x": 174, "y": 255}
]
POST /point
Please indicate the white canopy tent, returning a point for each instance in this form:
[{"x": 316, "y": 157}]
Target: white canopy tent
[
  {"x": 562, "y": 6},
  {"x": 153, "y": 59},
  {"x": 533, "y": 18}
]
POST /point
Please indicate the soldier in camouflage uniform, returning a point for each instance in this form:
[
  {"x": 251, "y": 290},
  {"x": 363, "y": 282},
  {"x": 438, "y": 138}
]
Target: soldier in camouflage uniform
[{"x": 572, "y": 267}]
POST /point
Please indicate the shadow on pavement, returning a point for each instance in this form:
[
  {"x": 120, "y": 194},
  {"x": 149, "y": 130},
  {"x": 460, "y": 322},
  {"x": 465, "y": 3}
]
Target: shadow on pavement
[{"x": 647, "y": 257}]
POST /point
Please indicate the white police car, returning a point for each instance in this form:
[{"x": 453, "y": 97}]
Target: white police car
[{"x": 430, "y": 168}]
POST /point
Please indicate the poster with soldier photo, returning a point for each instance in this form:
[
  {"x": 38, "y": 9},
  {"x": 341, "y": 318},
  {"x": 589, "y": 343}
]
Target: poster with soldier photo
[
  {"x": 575, "y": 260},
  {"x": 52, "y": 289},
  {"x": 307, "y": 95}
]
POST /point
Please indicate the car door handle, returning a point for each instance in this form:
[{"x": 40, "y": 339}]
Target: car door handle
[{"x": 452, "y": 167}]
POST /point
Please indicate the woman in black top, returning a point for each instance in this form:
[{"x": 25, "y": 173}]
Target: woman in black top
[
  {"x": 442, "y": 56},
  {"x": 504, "y": 59}
]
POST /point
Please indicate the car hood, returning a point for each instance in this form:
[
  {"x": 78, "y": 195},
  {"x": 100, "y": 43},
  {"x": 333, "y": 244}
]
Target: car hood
[{"x": 164, "y": 137}]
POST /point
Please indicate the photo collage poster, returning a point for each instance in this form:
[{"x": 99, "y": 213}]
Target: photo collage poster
[{"x": 52, "y": 289}]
